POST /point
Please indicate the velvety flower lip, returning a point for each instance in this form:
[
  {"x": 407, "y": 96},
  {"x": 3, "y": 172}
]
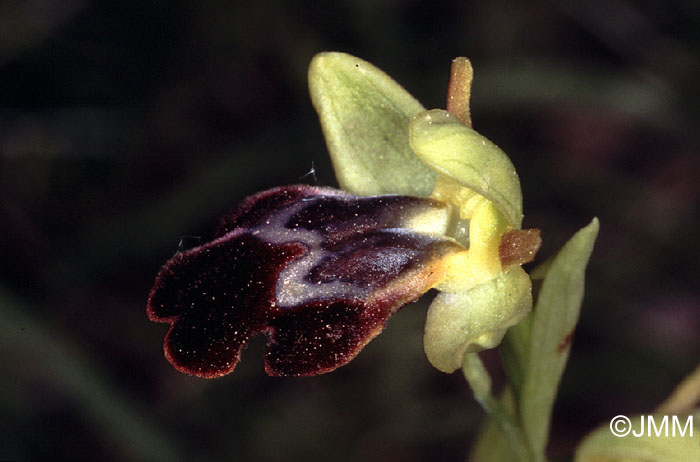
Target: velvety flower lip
[{"x": 317, "y": 270}]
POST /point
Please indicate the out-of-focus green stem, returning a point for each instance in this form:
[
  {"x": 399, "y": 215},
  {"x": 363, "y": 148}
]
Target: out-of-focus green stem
[
  {"x": 684, "y": 398},
  {"x": 480, "y": 382}
]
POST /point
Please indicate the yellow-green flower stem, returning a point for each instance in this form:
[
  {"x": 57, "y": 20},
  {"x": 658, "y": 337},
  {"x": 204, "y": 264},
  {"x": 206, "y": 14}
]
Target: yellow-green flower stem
[{"x": 480, "y": 382}]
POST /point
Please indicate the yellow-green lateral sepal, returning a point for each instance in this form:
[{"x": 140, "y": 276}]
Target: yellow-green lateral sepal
[
  {"x": 646, "y": 441},
  {"x": 460, "y": 153},
  {"x": 365, "y": 114},
  {"x": 475, "y": 320}
]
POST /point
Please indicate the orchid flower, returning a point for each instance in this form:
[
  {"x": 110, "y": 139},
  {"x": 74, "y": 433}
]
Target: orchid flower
[{"x": 425, "y": 203}]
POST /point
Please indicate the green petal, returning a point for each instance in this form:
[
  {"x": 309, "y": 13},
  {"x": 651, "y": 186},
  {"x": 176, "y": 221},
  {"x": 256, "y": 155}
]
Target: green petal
[
  {"x": 602, "y": 445},
  {"x": 460, "y": 153},
  {"x": 365, "y": 115},
  {"x": 477, "y": 319},
  {"x": 554, "y": 318}
]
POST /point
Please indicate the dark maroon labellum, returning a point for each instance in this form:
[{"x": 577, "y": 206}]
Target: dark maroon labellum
[{"x": 316, "y": 270}]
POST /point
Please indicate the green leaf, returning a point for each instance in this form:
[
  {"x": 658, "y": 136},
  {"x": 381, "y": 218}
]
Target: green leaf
[
  {"x": 459, "y": 323},
  {"x": 555, "y": 315},
  {"x": 365, "y": 114},
  {"x": 462, "y": 154},
  {"x": 602, "y": 445}
]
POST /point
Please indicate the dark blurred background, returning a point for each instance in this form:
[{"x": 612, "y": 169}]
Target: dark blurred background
[{"x": 126, "y": 125}]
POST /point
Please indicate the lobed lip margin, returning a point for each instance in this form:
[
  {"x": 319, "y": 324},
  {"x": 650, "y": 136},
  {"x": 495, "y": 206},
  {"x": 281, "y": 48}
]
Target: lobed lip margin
[{"x": 218, "y": 295}]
